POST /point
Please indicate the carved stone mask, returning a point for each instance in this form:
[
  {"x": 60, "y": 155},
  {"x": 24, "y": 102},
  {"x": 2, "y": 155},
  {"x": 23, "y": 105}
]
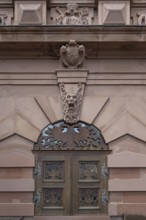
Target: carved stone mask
[{"x": 71, "y": 103}]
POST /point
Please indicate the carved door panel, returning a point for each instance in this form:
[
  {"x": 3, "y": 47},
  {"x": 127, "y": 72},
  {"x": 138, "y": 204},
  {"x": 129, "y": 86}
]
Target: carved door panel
[
  {"x": 70, "y": 183},
  {"x": 52, "y": 176},
  {"x": 89, "y": 185}
]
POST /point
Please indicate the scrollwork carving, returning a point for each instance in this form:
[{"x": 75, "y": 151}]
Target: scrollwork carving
[
  {"x": 62, "y": 136},
  {"x": 72, "y": 54},
  {"x": 88, "y": 198},
  {"x": 53, "y": 197},
  {"x": 89, "y": 170},
  {"x": 72, "y": 15},
  {"x": 54, "y": 170}
]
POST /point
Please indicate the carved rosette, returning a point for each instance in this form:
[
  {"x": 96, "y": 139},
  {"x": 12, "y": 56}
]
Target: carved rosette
[
  {"x": 71, "y": 101},
  {"x": 72, "y": 54}
]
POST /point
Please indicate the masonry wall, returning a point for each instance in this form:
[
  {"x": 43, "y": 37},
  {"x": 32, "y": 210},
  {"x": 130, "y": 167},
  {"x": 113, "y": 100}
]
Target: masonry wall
[{"x": 114, "y": 101}]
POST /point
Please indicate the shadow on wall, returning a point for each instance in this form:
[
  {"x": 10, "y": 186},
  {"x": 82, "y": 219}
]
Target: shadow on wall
[{"x": 134, "y": 217}]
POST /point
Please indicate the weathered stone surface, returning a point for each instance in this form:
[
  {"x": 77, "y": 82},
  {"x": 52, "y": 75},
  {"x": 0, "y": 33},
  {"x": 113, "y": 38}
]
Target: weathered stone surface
[
  {"x": 128, "y": 143},
  {"x": 16, "y": 143},
  {"x": 134, "y": 197},
  {"x": 17, "y": 209},
  {"x": 125, "y": 173},
  {"x": 123, "y": 116},
  {"x": 23, "y": 116},
  {"x": 127, "y": 209},
  {"x": 120, "y": 185},
  {"x": 51, "y": 105},
  {"x": 16, "y": 197},
  {"x": 16, "y": 185},
  {"x": 116, "y": 197},
  {"x": 93, "y": 105},
  {"x": 16, "y": 173},
  {"x": 127, "y": 159}
]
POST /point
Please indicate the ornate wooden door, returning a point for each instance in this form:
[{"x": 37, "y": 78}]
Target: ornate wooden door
[{"x": 70, "y": 173}]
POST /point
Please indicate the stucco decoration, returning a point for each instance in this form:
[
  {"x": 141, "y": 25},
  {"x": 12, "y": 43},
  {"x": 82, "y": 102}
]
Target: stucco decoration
[
  {"x": 2, "y": 19},
  {"x": 72, "y": 100},
  {"x": 72, "y": 15},
  {"x": 72, "y": 54},
  {"x": 142, "y": 19}
]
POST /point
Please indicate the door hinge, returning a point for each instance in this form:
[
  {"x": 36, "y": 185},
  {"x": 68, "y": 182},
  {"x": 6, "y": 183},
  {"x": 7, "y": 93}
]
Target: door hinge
[
  {"x": 104, "y": 197},
  {"x": 37, "y": 170},
  {"x": 37, "y": 198},
  {"x": 104, "y": 171}
]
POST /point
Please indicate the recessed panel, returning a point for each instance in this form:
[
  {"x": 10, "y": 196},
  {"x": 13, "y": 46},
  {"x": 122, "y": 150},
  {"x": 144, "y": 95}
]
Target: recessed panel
[{"x": 53, "y": 170}]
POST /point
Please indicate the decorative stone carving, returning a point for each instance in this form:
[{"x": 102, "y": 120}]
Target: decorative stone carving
[
  {"x": 2, "y": 19},
  {"x": 79, "y": 136},
  {"x": 72, "y": 54},
  {"x": 142, "y": 19},
  {"x": 72, "y": 15},
  {"x": 72, "y": 100}
]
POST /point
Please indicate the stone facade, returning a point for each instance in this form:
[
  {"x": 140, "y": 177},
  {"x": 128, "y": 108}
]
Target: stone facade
[{"x": 108, "y": 62}]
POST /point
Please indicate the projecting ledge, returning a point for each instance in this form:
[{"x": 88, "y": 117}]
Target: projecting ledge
[
  {"x": 59, "y": 34},
  {"x": 72, "y": 76}
]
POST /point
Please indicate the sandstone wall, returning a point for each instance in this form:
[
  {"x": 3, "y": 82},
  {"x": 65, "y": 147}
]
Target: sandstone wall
[{"x": 114, "y": 101}]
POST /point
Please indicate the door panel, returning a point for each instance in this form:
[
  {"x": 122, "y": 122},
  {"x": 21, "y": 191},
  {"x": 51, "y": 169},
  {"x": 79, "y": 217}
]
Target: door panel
[
  {"x": 70, "y": 183},
  {"x": 53, "y": 185},
  {"x": 87, "y": 185}
]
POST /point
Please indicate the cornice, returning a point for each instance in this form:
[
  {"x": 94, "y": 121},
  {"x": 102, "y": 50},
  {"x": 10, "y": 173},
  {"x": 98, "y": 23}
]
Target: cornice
[{"x": 54, "y": 33}]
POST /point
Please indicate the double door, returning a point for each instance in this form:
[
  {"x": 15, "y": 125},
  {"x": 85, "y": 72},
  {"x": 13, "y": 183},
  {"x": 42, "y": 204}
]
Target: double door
[{"x": 70, "y": 183}]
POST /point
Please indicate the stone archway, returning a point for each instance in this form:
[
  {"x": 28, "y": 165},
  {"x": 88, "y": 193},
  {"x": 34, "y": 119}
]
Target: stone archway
[{"x": 71, "y": 170}]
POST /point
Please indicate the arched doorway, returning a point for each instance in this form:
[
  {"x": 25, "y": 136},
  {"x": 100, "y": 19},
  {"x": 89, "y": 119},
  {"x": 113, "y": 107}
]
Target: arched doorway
[{"x": 71, "y": 170}]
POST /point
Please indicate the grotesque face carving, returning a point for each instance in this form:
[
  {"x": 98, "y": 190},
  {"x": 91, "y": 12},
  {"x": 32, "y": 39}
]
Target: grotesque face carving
[
  {"x": 72, "y": 9},
  {"x": 71, "y": 103}
]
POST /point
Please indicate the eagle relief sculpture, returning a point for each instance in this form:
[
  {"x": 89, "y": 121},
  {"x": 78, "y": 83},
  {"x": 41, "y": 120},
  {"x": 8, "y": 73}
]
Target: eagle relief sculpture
[{"x": 72, "y": 54}]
